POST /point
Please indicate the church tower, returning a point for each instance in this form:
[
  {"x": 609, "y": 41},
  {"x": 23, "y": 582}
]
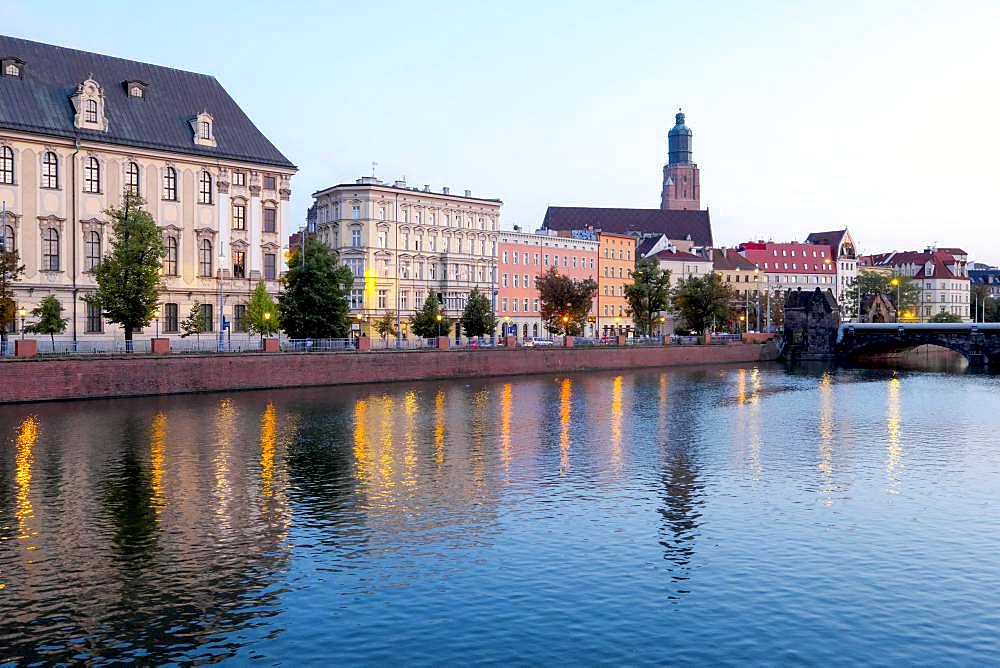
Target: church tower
[{"x": 681, "y": 188}]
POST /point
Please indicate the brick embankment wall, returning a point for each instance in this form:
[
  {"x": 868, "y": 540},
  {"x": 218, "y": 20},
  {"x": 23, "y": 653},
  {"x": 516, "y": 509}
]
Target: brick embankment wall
[{"x": 80, "y": 378}]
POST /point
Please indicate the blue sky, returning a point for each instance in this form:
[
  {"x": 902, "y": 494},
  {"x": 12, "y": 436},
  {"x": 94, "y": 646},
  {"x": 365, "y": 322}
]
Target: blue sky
[{"x": 807, "y": 116}]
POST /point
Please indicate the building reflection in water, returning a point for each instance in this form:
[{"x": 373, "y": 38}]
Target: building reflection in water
[
  {"x": 825, "y": 465},
  {"x": 157, "y": 454},
  {"x": 505, "y": 406},
  {"x": 616, "y": 422},
  {"x": 439, "y": 418},
  {"x": 892, "y": 424},
  {"x": 27, "y": 436},
  {"x": 268, "y": 442}
]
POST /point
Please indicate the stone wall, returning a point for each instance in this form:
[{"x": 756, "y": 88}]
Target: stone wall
[{"x": 81, "y": 378}]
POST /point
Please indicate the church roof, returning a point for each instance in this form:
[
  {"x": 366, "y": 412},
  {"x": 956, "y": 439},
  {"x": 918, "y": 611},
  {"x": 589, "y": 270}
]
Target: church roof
[
  {"x": 39, "y": 102},
  {"x": 676, "y": 224}
]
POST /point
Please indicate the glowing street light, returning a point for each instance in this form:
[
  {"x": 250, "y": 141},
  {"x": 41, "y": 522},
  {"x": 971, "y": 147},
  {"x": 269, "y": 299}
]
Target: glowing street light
[
  {"x": 438, "y": 318},
  {"x": 23, "y": 313}
]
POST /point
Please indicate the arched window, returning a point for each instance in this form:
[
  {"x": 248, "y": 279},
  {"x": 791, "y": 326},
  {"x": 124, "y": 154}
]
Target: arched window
[
  {"x": 9, "y": 243},
  {"x": 92, "y": 176},
  {"x": 92, "y": 250},
  {"x": 205, "y": 258},
  {"x": 50, "y": 170},
  {"x": 205, "y": 188},
  {"x": 132, "y": 178},
  {"x": 170, "y": 261},
  {"x": 6, "y": 165},
  {"x": 205, "y": 130},
  {"x": 50, "y": 249},
  {"x": 91, "y": 111},
  {"x": 170, "y": 184}
]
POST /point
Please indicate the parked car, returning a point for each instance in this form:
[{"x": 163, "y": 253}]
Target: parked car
[{"x": 538, "y": 341}]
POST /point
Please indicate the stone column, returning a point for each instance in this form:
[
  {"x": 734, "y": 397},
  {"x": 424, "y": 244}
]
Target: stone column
[
  {"x": 254, "y": 260},
  {"x": 223, "y": 217}
]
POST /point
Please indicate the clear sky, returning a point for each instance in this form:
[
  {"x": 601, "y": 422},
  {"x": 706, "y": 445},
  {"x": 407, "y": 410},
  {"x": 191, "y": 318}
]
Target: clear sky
[{"x": 881, "y": 116}]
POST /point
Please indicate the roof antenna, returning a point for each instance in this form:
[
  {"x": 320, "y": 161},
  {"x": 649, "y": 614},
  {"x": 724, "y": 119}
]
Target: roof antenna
[{"x": 374, "y": 165}]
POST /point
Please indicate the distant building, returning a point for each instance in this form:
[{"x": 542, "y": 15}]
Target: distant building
[
  {"x": 940, "y": 273},
  {"x": 845, "y": 258},
  {"x": 789, "y": 266},
  {"x": 683, "y": 266},
  {"x": 989, "y": 277},
  {"x": 405, "y": 243},
  {"x": 736, "y": 271},
  {"x": 681, "y": 181},
  {"x": 522, "y": 258}
]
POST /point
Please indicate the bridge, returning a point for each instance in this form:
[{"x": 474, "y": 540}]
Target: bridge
[
  {"x": 813, "y": 331},
  {"x": 978, "y": 342}
]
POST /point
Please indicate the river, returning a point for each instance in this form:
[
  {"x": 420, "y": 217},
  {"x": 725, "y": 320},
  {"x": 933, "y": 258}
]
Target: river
[{"x": 714, "y": 515}]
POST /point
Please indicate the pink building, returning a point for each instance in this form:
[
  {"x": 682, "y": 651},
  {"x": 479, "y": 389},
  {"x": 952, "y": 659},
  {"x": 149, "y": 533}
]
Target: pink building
[{"x": 523, "y": 257}]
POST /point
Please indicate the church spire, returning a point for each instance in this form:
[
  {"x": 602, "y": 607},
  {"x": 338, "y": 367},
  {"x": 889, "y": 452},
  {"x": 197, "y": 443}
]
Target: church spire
[
  {"x": 681, "y": 180},
  {"x": 679, "y": 141}
]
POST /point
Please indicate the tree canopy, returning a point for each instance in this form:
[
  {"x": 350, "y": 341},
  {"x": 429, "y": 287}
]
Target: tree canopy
[
  {"x": 128, "y": 277},
  {"x": 565, "y": 303},
  {"x": 262, "y": 314},
  {"x": 944, "y": 317},
  {"x": 648, "y": 294},
  {"x": 49, "y": 320},
  {"x": 425, "y": 323},
  {"x": 196, "y": 322},
  {"x": 870, "y": 283},
  {"x": 386, "y": 325},
  {"x": 703, "y": 301},
  {"x": 313, "y": 303},
  {"x": 10, "y": 272},
  {"x": 478, "y": 318}
]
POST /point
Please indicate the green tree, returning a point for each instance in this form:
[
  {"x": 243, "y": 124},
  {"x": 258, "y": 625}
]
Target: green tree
[
  {"x": 565, "y": 303},
  {"x": 648, "y": 294},
  {"x": 703, "y": 301},
  {"x": 944, "y": 317},
  {"x": 870, "y": 283},
  {"x": 478, "y": 318},
  {"x": 313, "y": 302},
  {"x": 425, "y": 323},
  {"x": 128, "y": 277},
  {"x": 195, "y": 323},
  {"x": 49, "y": 319},
  {"x": 386, "y": 325},
  {"x": 979, "y": 299},
  {"x": 262, "y": 314},
  {"x": 10, "y": 272}
]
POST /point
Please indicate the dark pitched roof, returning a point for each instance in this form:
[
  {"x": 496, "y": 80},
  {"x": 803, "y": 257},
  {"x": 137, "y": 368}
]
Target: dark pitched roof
[
  {"x": 680, "y": 255},
  {"x": 729, "y": 260},
  {"x": 40, "y": 102},
  {"x": 831, "y": 239},
  {"x": 646, "y": 245},
  {"x": 676, "y": 224}
]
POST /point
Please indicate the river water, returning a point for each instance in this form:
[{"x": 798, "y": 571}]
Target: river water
[{"x": 715, "y": 515}]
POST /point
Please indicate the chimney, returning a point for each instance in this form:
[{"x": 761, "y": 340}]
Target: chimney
[
  {"x": 468, "y": 193},
  {"x": 446, "y": 190},
  {"x": 427, "y": 188},
  {"x": 400, "y": 183}
]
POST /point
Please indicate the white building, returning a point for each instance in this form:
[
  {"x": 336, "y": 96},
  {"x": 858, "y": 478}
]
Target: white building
[
  {"x": 845, "y": 257},
  {"x": 941, "y": 274}
]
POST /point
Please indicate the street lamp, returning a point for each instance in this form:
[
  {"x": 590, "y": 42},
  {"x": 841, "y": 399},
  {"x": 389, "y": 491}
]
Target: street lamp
[
  {"x": 23, "y": 313},
  {"x": 756, "y": 290},
  {"x": 438, "y": 318},
  {"x": 743, "y": 319},
  {"x": 895, "y": 283}
]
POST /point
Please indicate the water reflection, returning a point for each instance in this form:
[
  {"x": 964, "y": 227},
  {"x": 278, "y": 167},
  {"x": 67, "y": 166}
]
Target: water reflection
[
  {"x": 825, "y": 464},
  {"x": 895, "y": 449},
  {"x": 565, "y": 400},
  {"x": 27, "y": 435}
]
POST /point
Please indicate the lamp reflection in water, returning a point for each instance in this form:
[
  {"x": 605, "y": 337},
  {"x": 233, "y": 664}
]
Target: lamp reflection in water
[
  {"x": 157, "y": 458},
  {"x": 27, "y": 436},
  {"x": 409, "y": 439},
  {"x": 505, "y": 403},
  {"x": 361, "y": 463},
  {"x": 565, "y": 396},
  {"x": 439, "y": 427},
  {"x": 616, "y": 422},
  {"x": 895, "y": 448},
  {"x": 225, "y": 426},
  {"x": 268, "y": 440},
  {"x": 387, "y": 452},
  {"x": 756, "y": 433},
  {"x": 825, "y": 465}
]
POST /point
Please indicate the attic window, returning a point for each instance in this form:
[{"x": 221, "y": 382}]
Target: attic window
[
  {"x": 12, "y": 67},
  {"x": 203, "y": 127},
  {"x": 12, "y": 70},
  {"x": 135, "y": 88}
]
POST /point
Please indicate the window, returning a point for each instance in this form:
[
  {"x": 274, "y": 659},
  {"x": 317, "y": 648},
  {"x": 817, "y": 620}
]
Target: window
[
  {"x": 92, "y": 250},
  {"x": 170, "y": 260},
  {"x": 92, "y": 176},
  {"x": 205, "y": 130},
  {"x": 50, "y": 171},
  {"x": 239, "y": 178},
  {"x": 356, "y": 238},
  {"x": 91, "y": 112},
  {"x": 239, "y": 317},
  {"x": 357, "y": 298},
  {"x": 170, "y": 322},
  {"x": 270, "y": 219},
  {"x": 170, "y": 184},
  {"x": 269, "y": 183},
  {"x": 206, "y": 314},
  {"x": 135, "y": 91},
  {"x": 12, "y": 70},
  {"x": 205, "y": 258},
  {"x": 132, "y": 178},
  {"x": 8, "y": 241},
  {"x": 270, "y": 266},
  {"x": 95, "y": 321},
  {"x": 382, "y": 298},
  {"x": 50, "y": 249},
  {"x": 239, "y": 264},
  {"x": 239, "y": 216},
  {"x": 356, "y": 265},
  {"x": 205, "y": 188},
  {"x": 6, "y": 165}
]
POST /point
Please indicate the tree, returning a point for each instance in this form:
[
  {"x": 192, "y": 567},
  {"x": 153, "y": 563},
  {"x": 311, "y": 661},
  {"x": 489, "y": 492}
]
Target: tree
[
  {"x": 386, "y": 325},
  {"x": 944, "y": 316},
  {"x": 648, "y": 294},
  {"x": 195, "y": 323},
  {"x": 10, "y": 271},
  {"x": 478, "y": 318},
  {"x": 313, "y": 302},
  {"x": 703, "y": 301},
  {"x": 262, "y": 314},
  {"x": 49, "y": 319},
  {"x": 425, "y": 323},
  {"x": 128, "y": 277},
  {"x": 979, "y": 299},
  {"x": 565, "y": 303},
  {"x": 870, "y": 283}
]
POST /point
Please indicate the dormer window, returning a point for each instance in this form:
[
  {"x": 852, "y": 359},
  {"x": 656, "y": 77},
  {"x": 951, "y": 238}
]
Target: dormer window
[
  {"x": 203, "y": 127},
  {"x": 135, "y": 88},
  {"x": 91, "y": 115},
  {"x": 12, "y": 67},
  {"x": 12, "y": 70},
  {"x": 89, "y": 105}
]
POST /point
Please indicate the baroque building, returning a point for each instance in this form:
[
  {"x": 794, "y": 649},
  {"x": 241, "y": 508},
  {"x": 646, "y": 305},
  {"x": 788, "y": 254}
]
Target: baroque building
[
  {"x": 403, "y": 243},
  {"x": 78, "y": 128}
]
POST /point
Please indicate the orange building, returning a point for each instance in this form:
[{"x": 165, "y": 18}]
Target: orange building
[
  {"x": 523, "y": 257},
  {"x": 616, "y": 259}
]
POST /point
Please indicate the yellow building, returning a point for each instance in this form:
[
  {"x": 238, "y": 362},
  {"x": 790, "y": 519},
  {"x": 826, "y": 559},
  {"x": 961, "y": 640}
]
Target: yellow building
[{"x": 615, "y": 262}]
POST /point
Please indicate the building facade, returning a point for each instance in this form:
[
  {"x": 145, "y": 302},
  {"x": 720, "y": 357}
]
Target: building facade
[
  {"x": 941, "y": 274},
  {"x": 77, "y": 129},
  {"x": 615, "y": 262},
  {"x": 405, "y": 243},
  {"x": 522, "y": 258},
  {"x": 845, "y": 258},
  {"x": 789, "y": 266}
]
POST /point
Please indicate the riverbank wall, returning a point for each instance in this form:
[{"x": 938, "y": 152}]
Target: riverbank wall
[{"x": 57, "y": 379}]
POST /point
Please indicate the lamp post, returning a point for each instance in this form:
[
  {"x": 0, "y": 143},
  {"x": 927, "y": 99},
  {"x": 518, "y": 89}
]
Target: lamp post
[
  {"x": 23, "y": 313},
  {"x": 756, "y": 290},
  {"x": 267, "y": 323},
  {"x": 743, "y": 319},
  {"x": 895, "y": 283},
  {"x": 438, "y": 318}
]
